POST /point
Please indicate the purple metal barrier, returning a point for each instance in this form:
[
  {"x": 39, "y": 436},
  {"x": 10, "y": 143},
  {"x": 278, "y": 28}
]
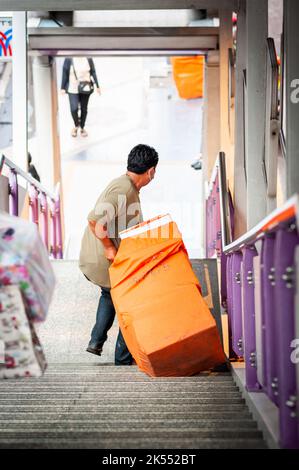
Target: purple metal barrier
[
  {"x": 217, "y": 234},
  {"x": 13, "y": 193},
  {"x": 252, "y": 385},
  {"x": 33, "y": 203},
  {"x": 229, "y": 300},
  {"x": 279, "y": 236},
  {"x": 53, "y": 215},
  {"x": 230, "y": 305},
  {"x": 223, "y": 285},
  {"x": 44, "y": 219},
  {"x": 58, "y": 228},
  {"x": 286, "y": 242},
  {"x": 237, "y": 333},
  {"x": 38, "y": 201},
  {"x": 270, "y": 330}
]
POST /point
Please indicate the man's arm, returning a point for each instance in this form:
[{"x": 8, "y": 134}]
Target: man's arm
[{"x": 100, "y": 232}]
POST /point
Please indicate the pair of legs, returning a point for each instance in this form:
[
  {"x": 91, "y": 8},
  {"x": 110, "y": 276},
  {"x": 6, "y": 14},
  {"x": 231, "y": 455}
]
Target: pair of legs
[
  {"x": 104, "y": 321},
  {"x": 79, "y": 100}
]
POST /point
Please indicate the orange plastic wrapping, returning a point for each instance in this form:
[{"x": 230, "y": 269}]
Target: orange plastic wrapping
[
  {"x": 165, "y": 321},
  {"x": 188, "y": 74}
]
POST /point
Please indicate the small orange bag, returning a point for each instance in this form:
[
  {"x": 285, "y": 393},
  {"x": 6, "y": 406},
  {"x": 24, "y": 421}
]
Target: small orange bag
[
  {"x": 188, "y": 74},
  {"x": 164, "y": 319}
]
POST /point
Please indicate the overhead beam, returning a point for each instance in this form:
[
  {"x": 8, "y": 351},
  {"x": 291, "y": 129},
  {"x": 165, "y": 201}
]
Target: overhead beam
[
  {"x": 70, "y": 5},
  {"x": 122, "y": 39}
]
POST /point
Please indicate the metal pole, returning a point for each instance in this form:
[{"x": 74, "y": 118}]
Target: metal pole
[
  {"x": 33, "y": 204},
  {"x": 13, "y": 193},
  {"x": 19, "y": 93},
  {"x": 53, "y": 248},
  {"x": 44, "y": 218},
  {"x": 58, "y": 228},
  {"x": 249, "y": 337}
]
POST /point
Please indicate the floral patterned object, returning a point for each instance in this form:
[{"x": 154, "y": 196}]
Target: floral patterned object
[
  {"x": 23, "y": 355},
  {"x": 24, "y": 261},
  {"x": 16, "y": 274}
]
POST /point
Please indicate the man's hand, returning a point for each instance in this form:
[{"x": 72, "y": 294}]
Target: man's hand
[
  {"x": 100, "y": 232},
  {"x": 110, "y": 253},
  {"x": 99, "y": 91},
  {"x": 62, "y": 91}
]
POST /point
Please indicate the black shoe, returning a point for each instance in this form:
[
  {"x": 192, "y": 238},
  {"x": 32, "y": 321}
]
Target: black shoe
[
  {"x": 98, "y": 352},
  {"x": 224, "y": 367}
]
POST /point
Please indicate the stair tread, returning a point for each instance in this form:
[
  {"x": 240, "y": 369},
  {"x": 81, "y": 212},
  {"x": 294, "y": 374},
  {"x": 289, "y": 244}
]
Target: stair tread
[{"x": 84, "y": 406}]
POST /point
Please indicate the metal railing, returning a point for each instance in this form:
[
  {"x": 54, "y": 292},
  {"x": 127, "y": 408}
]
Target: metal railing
[
  {"x": 258, "y": 289},
  {"x": 44, "y": 206}
]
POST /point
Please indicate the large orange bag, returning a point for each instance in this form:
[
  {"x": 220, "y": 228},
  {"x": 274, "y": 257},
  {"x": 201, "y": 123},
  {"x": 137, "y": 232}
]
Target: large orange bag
[
  {"x": 165, "y": 321},
  {"x": 188, "y": 74}
]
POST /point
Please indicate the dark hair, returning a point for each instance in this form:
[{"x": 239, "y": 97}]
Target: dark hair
[{"x": 141, "y": 158}]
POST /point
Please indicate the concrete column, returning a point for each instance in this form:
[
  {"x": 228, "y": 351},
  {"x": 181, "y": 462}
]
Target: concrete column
[
  {"x": 240, "y": 197},
  {"x": 275, "y": 11},
  {"x": 257, "y": 31},
  {"x": 291, "y": 16},
  {"x": 226, "y": 42},
  {"x": 19, "y": 89},
  {"x": 47, "y": 152},
  {"x": 211, "y": 112}
]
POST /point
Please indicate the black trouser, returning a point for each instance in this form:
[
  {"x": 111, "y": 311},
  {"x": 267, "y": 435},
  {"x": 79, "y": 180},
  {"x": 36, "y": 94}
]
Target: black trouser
[
  {"x": 104, "y": 321},
  {"x": 77, "y": 99}
]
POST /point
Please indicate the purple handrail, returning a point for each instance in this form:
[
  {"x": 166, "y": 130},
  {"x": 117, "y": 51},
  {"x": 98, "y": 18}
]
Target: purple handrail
[
  {"x": 278, "y": 238},
  {"x": 40, "y": 199}
]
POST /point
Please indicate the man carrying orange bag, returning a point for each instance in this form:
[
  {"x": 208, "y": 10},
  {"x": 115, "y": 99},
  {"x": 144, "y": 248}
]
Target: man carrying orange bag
[
  {"x": 165, "y": 321},
  {"x": 117, "y": 208}
]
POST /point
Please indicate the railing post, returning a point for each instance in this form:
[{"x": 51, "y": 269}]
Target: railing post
[
  {"x": 286, "y": 242},
  {"x": 45, "y": 219},
  {"x": 53, "y": 247},
  {"x": 252, "y": 385},
  {"x": 237, "y": 334},
  {"x": 33, "y": 204},
  {"x": 230, "y": 304},
  {"x": 13, "y": 193},
  {"x": 218, "y": 217},
  {"x": 270, "y": 332},
  {"x": 223, "y": 279},
  {"x": 58, "y": 228},
  {"x": 207, "y": 227}
]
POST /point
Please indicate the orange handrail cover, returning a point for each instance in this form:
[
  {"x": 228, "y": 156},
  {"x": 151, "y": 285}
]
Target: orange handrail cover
[{"x": 165, "y": 321}]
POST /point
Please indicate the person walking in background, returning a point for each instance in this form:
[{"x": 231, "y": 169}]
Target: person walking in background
[
  {"x": 31, "y": 168},
  {"x": 117, "y": 208},
  {"x": 78, "y": 79}
]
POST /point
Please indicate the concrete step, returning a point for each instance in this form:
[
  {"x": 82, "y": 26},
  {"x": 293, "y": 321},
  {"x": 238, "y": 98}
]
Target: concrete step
[
  {"x": 155, "y": 433},
  {"x": 46, "y": 416},
  {"x": 90, "y": 387},
  {"x": 100, "y": 424},
  {"x": 134, "y": 443},
  {"x": 130, "y": 394},
  {"x": 93, "y": 406},
  {"x": 111, "y": 407}
]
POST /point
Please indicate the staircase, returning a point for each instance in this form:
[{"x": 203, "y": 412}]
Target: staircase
[
  {"x": 109, "y": 407},
  {"x": 86, "y": 402}
]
